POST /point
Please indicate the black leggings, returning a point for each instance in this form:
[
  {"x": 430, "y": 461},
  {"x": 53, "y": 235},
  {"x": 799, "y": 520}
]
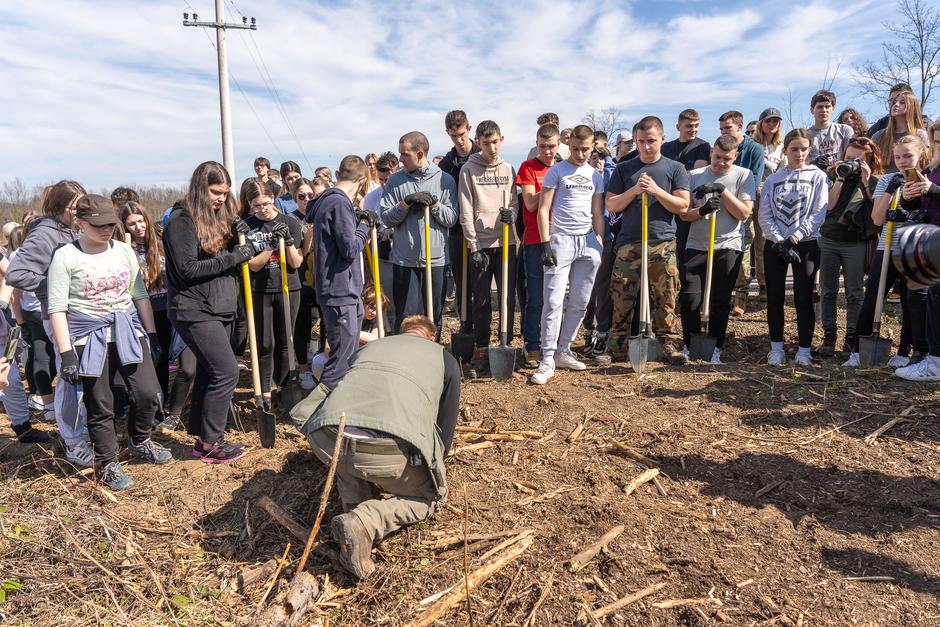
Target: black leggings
[
  {"x": 182, "y": 382},
  {"x": 164, "y": 333},
  {"x": 273, "y": 359},
  {"x": 40, "y": 365},
  {"x": 913, "y": 308},
  {"x": 804, "y": 280},
  {"x": 308, "y": 314},
  {"x": 727, "y": 264}
]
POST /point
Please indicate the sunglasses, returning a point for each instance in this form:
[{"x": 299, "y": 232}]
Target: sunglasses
[{"x": 309, "y": 196}]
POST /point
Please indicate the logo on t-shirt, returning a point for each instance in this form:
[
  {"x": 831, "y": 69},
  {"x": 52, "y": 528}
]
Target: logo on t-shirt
[{"x": 576, "y": 181}]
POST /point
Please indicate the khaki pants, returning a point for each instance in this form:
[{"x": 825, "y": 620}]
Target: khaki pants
[{"x": 413, "y": 496}]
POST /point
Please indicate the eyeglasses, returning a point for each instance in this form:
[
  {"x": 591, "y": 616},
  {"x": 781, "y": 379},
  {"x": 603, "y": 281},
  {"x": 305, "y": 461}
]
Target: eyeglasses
[{"x": 264, "y": 205}]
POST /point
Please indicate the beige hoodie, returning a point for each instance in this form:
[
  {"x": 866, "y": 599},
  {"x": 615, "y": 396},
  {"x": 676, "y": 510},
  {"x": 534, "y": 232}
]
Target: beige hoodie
[{"x": 480, "y": 194}]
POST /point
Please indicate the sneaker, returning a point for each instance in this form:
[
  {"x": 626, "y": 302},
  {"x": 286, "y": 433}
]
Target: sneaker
[
  {"x": 894, "y": 298},
  {"x": 828, "y": 348},
  {"x": 26, "y": 434},
  {"x": 916, "y": 358},
  {"x": 241, "y": 363},
  {"x": 480, "y": 363},
  {"x": 565, "y": 359},
  {"x": 674, "y": 354},
  {"x": 600, "y": 346},
  {"x": 716, "y": 357},
  {"x": 114, "y": 477},
  {"x": 543, "y": 373},
  {"x": 35, "y": 404},
  {"x": 169, "y": 423},
  {"x": 776, "y": 357},
  {"x": 603, "y": 359},
  {"x": 532, "y": 358},
  {"x": 740, "y": 303},
  {"x": 853, "y": 361},
  {"x": 307, "y": 381},
  {"x": 81, "y": 454},
  {"x": 927, "y": 370},
  {"x": 898, "y": 361},
  {"x": 355, "y": 546},
  {"x": 153, "y": 452},
  {"x": 220, "y": 452},
  {"x": 803, "y": 359}
]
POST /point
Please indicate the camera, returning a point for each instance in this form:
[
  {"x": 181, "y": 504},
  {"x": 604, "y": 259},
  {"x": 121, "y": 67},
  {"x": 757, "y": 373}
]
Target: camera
[
  {"x": 849, "y": 168},
  {"x": 917, "y": 253},
  {"x": 822, "y": 162}
]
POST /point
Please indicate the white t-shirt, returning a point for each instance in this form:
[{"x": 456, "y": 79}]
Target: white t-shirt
[
  {"x": 575, "y": 188},
  {"x": 729, "y": 231}
]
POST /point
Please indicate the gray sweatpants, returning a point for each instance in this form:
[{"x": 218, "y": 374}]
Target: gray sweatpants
[
  {"x": 577, "y": 259},
  {"x": 849, "y": 258}
]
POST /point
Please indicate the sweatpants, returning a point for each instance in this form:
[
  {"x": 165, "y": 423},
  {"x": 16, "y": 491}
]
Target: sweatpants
[
  {"x": 412, "y": 494},
  {"x": 142, "y": 389},
  {"x": 72, "y": 429},
  {"x": 483, "y": 307},
  {"x": 804, "y": 280},
  {"x": 343, "y": 323},
  {"x": 410, "y": 300},
  {"x": 182, "y": 382},
  {"x": 577, "y": 259},
  {"x": 40, "y": 365},
  {"x": 866, "y": 316},
  {"x": 725, "y": 270},
  {"x": 532, "y": 312},
  {"x": 273, "y": 358},
  {"x": 216, "y": 376},
  {"x": 600, "y": 309},
  {"x": 849, "y": 259},
  {"x": 455, "y": 240},
  {"x": 15, "y": 400}
]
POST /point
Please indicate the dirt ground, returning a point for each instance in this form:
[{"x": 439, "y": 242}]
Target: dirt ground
[{"x": 773, "y": 508}]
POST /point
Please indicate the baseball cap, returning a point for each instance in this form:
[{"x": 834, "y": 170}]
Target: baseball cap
[
  {"x": 95, "y": 210},
  {"x": 770, "y": 113},
  {"x": 624, "y": 136}
]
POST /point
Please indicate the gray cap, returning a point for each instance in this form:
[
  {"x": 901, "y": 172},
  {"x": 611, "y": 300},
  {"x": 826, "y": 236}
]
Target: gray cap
[{"x": 770, "y": 113}]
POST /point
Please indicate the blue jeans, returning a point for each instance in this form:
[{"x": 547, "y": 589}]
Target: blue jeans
[{"x": 534, "y": 272}]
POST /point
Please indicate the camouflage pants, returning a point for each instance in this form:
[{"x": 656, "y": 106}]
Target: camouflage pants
[{"x": 663, "y": 277}]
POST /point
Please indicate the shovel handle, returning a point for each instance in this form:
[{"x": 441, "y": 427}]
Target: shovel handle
[
  {"x": 285, "y": 294},
  {"x": 429, "y": 301},
  {"x": 463, "y": 287},
  {"x": 374, "y": 245},
  {"x": 250, "y": 322},
  {"x": 644, "y": 269},
  {"x": 709, "y": 266},
  {"x": 885, "y": 258}
]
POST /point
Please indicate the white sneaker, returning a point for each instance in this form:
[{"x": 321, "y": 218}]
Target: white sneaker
[
  {"x": 802, "y": 359},
  {"x": 565, "y": 359},
  {"x": 307, "y": 381},
  {"x": 81, "y": 454},
  {"x": 543, "y": 373},
  {"x": 776, "y": 357},
  {"x": 898, "y": 361},
  {"x": 716, "y": 357},
  {"x": 926, "y": 370},
  {"x": 852, "y": 362}
]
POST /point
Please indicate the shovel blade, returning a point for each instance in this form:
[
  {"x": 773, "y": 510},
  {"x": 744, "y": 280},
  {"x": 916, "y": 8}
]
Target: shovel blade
[
  {"x": 502, "y": 362},
  {"x": 873, "y": 351},
  {"x": 292, "y": 393},
  {"x": 638, "y": 349},
  {"x": 266, "y": 421},
  {"x": 702, "y": 346},
  {"x": 461, "y": 346}
]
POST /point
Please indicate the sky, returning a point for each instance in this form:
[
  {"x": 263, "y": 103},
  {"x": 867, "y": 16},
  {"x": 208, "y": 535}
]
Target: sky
[{"x": 121, "y": 93}]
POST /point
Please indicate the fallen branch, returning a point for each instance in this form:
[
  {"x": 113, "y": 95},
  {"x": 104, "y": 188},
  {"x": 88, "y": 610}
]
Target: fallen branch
[
  {"x": 544, "y": 497},
  {"x": 670, "y": 603},
  {"x": 617, "y": 447},
  {"x": 871, "y": 437},
  {"x": 581, "y": 559},
  {"x": 479, "y": 446},
  {"x": 577, "y": 431},
  {"x": 546, "y": 588},
  {"x": 767, "y": 488},
  {"x": 273, "y": 580},
  {"x": 277, "y": 513},
  {"x": 627, "y": 600},
  {"x": 643, "y": 477},
  {"x": 447, "y": 541}
]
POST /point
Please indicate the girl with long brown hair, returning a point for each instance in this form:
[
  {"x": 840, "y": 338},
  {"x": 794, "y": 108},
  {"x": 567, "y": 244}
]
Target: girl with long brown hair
[{"x": 904, "y": 118}]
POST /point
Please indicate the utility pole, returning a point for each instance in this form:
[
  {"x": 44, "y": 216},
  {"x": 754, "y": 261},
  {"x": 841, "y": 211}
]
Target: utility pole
[{"x": 228, "y": 152}]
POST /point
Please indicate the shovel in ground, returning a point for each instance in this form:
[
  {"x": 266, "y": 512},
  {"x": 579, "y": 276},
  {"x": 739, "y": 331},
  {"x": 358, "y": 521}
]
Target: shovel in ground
[
  {"x": 461, "y": 344},
  {"x": 291, "y": 392},
  {"x": 874, "y": 349},
  {"x": 263, "y": 413},
  {"x": 703, "y": 345},
  {"x": 503, "y": 358},
  {"x": 641, "y": 346},
  {"x": 429, "y": 300}
]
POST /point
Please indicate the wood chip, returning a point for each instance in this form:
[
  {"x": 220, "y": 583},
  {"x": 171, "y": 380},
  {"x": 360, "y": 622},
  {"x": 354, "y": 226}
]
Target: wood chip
[
  {"x": 627, "y": 600},
  {"x": 643, "y": 477},
  {"x": 581, "y": 559},
  {"x": 670, "y": 603},
  {"x": 545, "y": 497}
]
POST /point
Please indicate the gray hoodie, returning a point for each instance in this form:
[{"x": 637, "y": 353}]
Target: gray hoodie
[
  {"x": 28, "y": 269},
  {"x": 408, "y": 226}
]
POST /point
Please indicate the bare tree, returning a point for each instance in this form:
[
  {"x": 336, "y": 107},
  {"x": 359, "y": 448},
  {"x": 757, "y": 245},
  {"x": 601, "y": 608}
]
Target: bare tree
[
  {"x": 912, "y": 55},
  {"x": 829, "y": 78},
  {"x": 796, "y": 112},
  {"x": 609, "y": 120}
]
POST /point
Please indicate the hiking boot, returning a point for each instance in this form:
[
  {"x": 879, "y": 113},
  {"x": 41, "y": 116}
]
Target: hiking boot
[
  {"x": 151, "y": 451},
  {"x": 674, "y": 354},
  {"x": 828, "y": 348},
  {"x": 480, "y": 363},
  {"x": 590, "y": 339},
  {"x": 898, "y": 361},
  {"x": 80, "y": 454},
  {"x": 776, "y": 357},
  {"x": 740, "y": 303},
  {"x": 532, "y": 358},
  {"x": 566, "y": 359},
  {"x": 543, "y": 373},
  {"x": 170, "y": 423},
  {"x": 926, "y": 370},
  {"x": 355, "y": 546},
  {"x": 603, "y": 359},
  {"x": 113, "y": 476},
  {"x": 26, "y": 434},
  {"x": 220, "y": 452}
]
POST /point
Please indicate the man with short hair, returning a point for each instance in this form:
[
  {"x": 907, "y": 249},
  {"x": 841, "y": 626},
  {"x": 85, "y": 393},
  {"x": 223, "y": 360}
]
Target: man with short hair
[
  {"x": 666, "y": 184},
  {"x": 600, "y": 139},
  {"x": 827, "y": 139},
  {"x": 550, "y": 118},
  {"x": 262, "y": 166},
  {"x": 408, "y": 192},
  {"x": 401, "y": 398},
  {"x": 723, "y": 192},
  {"x": 750, "y": 156}
]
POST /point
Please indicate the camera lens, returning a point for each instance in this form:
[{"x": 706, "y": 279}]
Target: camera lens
[{"x": 917, "y": 254}]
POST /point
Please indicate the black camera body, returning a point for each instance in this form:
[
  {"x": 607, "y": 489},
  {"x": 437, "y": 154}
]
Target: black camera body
[
  {"x": 849, "y": 168},
  {"x": 917, "y": 254}
]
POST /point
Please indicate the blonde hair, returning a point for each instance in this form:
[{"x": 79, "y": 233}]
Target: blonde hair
[{"x": 912, "y": 118}]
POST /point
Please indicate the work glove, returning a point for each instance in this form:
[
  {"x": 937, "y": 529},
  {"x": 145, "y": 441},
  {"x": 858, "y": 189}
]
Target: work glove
[
  {"x": 156, "y": 351},
  {"x": 505, "y": 215},
  {"x": 282, "y": 231},
  {"x": 385, "y": 235},
  {"x": 548, "y": 255},
  {"x": 240, "y": 226},
  {"x": 244, "y": 252},
  {"x": 368, "y": 216},
  {"x": 419, "y": 200},
  {"x": 896, "y": 182},
  {"x": 711, "y": 205},
  {"x": 481, "y": 261},
  {"x": 897, "y": 215},
  {"x": 69, "y": 369},
  {"x": 708, "y": 188},
  {"x": 785, "y": 252}
]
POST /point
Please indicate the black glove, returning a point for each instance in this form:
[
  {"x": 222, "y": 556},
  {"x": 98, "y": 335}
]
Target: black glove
[
  {"x": 548, "y": 255},
  {"x": 505, "y": 215},
  {"x": 711, "y": 205},
  {"x": 385, "y": 235},
  {"x": 282, "y": 231},
  {"x": 897, "y": 215},
  {"x": 896, "y": 182},
  {"x": 786, "y": 252},
  {"x": 918, "y": 216},
  {"x": 420, "y": 200},
  {"x": 240, "y": 226},
  {"x": 822, "y": 162},
  {"x": 481, "y": 261},
  {"x": 69, "y": 369},
  {"x": 156, "y": 351},
  {"x": 244, "y": 252},
  {"x": 367, "y": 215},
  {"x": 708, "y": 188}
]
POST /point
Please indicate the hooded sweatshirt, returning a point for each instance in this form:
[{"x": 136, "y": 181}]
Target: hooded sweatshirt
[
  {"x": 794, "y": 202},
  {"x": 338, "y": 240},
  {"x": 481, "y": 191},
  {"x": 408, "y": 225},
  {"x": 28, "y": 269}
]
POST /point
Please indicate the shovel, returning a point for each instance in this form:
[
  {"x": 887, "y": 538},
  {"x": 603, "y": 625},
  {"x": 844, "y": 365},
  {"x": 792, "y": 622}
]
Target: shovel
[
  {"x": 263, "y": 413},
  {"x": 374, "y": 245},
  {"x": 461, "y": 344},
  {"x": 503, "y": 358},
  {"x": 874, "y": 350},
  {"x": 703, "y": 345},
  {"x": 292, "y": 392},
  {"x": 640, "y": 346},
  {"x": 429, "y": 301}
]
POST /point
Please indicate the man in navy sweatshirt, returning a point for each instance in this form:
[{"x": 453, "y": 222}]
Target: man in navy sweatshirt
[{"x": 340, "y": 233}]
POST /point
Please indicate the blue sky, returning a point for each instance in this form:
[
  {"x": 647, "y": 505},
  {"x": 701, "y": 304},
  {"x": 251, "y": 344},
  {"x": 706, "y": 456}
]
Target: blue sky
[{"x": 118, "y": 92}]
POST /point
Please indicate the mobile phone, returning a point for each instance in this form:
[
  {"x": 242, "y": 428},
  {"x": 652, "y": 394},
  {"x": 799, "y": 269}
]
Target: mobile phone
[
  {"x": 911, "y": 175},
  {"x": 12, "y": 342}
]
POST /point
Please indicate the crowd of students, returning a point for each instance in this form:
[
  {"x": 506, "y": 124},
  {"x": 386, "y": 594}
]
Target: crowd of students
[{"x": 134, "y": 315}]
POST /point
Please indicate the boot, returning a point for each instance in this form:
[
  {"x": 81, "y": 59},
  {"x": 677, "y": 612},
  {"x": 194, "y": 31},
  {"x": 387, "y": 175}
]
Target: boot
[
  {"x": 480, "y": 363},
  {"x": 27, "y": 435},
  {"x": 762, "y": 294},
  {"x": 590, "y": 341},
  {"x": 828, "y": 348},
  {"x": 740, "y": 302}
]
